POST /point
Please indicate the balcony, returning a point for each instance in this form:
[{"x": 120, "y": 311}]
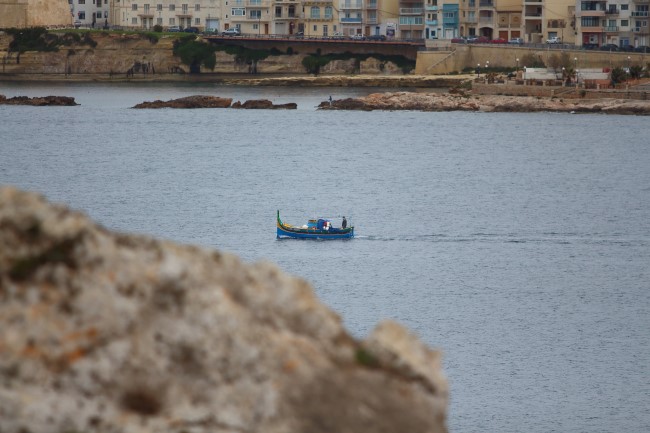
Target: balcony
[
  {"x": 640, "y": 14},
  {"x": 592, "y": 13},
  {"x": 411, "y": 11},
  {"x": 431, "y": 8},
  {"x": 586, "y": 29},
  {"x": 317, "y": 2},
  {"x": 258, "y": 3},
  {"x": 352, "y": 5},
  {"x": 470, "y": 20},
  {"x": 372, "y": 5},
  {"x": 286, "y": 17},
  {"x": 371, "y": 20},
  {"x": 612, "y": 11},
  {"x": 486, "y": 4},
  {"x": 486, "y": 20},
  {"x": 610, "y": 29},
  {"x": 539, "y": 2},
  {"x": 431, "y": 22},
  {"x": 351, "y": 20}
]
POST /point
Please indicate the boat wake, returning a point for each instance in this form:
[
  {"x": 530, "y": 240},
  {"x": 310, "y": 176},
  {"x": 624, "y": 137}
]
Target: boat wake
[{"x": 541, "y": 238}]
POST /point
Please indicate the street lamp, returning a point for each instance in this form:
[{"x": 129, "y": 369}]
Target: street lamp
[
  {"x": 487, "y": 64},
  {"x": 575, "y": 63},
  {"x": 517, "y": 64},
  {"x": 478, "y": 70},
  {"x": 628, "y": 64},
  {"x": 577, "y": 72}
]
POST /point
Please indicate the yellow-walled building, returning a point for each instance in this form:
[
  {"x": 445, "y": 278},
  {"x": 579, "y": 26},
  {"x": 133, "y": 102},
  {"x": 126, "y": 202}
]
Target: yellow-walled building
[{"x": 34, "y": 13}]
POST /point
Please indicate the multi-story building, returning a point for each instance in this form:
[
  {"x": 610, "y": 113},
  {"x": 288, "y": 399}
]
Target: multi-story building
[
  {"x": 287, "y": 15},
  {"x": 204, "y": 14},
  {"x": 433, "y": 15},
  {"x": 450, "y": 20},
  {"x": 544, "y": 19},
  {"x": 320, "y": 18},
  {"x": 249, "y": 16},
  {"x": 411, "y": 19},
  {"x": 640, "y": 32},
  {"x": 92, "y": 13},
  {"x": 351, "y": 17}
]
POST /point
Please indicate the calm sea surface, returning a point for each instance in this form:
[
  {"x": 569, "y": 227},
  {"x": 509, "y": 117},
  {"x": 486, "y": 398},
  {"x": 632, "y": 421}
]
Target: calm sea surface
[{"x": 517, "y": 243}]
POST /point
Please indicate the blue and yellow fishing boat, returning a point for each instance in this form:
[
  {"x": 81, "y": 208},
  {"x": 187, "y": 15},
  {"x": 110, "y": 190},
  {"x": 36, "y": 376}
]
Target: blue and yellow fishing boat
[{"x": 320, "y": 228}]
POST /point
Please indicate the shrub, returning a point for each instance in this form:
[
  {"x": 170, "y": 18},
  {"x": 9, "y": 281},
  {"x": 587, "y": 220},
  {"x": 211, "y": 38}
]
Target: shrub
[{"x": 157, "y": 28}]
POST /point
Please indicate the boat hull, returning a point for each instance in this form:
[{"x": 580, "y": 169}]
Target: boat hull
[{"x": 313, "y": 234}]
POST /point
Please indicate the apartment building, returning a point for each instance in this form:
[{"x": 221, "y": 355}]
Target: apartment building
[
  {"x": 144, "y": 14},
  {"x": 620, "y": 22},
  {"x": 91, "y": 13},
  {"x": 411, "y": 19}
]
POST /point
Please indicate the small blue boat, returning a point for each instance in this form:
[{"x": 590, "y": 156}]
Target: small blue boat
[{"x": 320, "y": 228}]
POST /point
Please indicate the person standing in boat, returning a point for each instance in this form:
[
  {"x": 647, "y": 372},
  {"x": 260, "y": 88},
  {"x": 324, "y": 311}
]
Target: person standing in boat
[{"x": 344, "y": 224}]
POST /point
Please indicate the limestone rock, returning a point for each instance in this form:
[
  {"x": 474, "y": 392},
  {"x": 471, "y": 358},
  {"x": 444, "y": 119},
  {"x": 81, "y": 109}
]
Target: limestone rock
[
  {"x": 120, "y": 333},
  {"x": 39, "y": 101},
  {"x": 459, "y": 101},
  {"x": 257, "y": 104},
  {"x": 196, "y": 101}
]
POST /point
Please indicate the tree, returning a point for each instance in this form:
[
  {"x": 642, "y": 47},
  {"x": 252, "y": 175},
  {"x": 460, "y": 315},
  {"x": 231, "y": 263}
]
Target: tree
[
  {"x": 195, "y": 53},
  {"x": 618, "y": 75}
]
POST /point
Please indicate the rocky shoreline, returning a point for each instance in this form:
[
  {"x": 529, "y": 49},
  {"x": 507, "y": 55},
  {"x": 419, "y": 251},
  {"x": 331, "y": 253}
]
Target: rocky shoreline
[{"x": 461, "y": 101}]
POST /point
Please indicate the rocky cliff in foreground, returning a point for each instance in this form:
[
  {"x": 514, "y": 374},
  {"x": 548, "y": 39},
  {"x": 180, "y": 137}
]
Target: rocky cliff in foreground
[
  {"x": 117, "y": 333},
  {"x": 489, "y": 103}
]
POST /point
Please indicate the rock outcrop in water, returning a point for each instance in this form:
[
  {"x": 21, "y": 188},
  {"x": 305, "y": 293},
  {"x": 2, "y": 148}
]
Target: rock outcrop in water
[
  {"x": 118, "y": 333},
  {"x": 490, "y": 103},
  {"x": 196, "y": 101},
  {"x": 201, "y": 101},
  {"x": 38, "y": 101},
  {"x": 264, "y": 104}
]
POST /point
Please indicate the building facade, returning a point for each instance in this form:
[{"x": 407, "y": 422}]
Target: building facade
[{"x": 590, "y": 23}]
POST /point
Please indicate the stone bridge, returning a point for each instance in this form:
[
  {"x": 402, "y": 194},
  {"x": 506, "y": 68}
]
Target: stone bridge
[{"x": 310, "y": 45}]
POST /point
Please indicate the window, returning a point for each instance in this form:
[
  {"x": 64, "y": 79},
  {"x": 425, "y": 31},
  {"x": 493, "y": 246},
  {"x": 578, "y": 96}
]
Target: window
[
  {"x": 105, "y": 14},
  {"x": 134, "y": 7},
  {"x": 315, "y": 13},
  {"x": 625, "y": 23},
  {"x": 238, "y": 12},
  {"x": 624, "y": 7},
  {"x": 99, "y": 14},
  {"x": 172, "y": 21},
  {"x": 134, "y": 21},
  {"x": 82, "y": 2},
  {"x": 185, "y": 8},
  {"x": 159, "y": 21},
  {"x": 81, "y": 15},
  {"x": 172, "y": 8},
  {"x": 159, "y": 7},
  {"x": 278, "y": 11},
  {"x": 315, "y": 28},
  {"x": 197, "y": 7},
  {"x": 328, "y": 12},
  {"x": 146, "y": 8},
  {"x": 197, "y": 21},
  {"x": 255, "y": 14},
  {"x": 292, "y": 11},
  {"x": 325, "y": 30},
  {"x": 255, "y": 26}
]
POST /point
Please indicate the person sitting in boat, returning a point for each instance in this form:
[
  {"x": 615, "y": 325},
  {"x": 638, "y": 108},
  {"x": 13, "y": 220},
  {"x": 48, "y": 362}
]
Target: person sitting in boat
[{"x": 344, "y": 224}]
